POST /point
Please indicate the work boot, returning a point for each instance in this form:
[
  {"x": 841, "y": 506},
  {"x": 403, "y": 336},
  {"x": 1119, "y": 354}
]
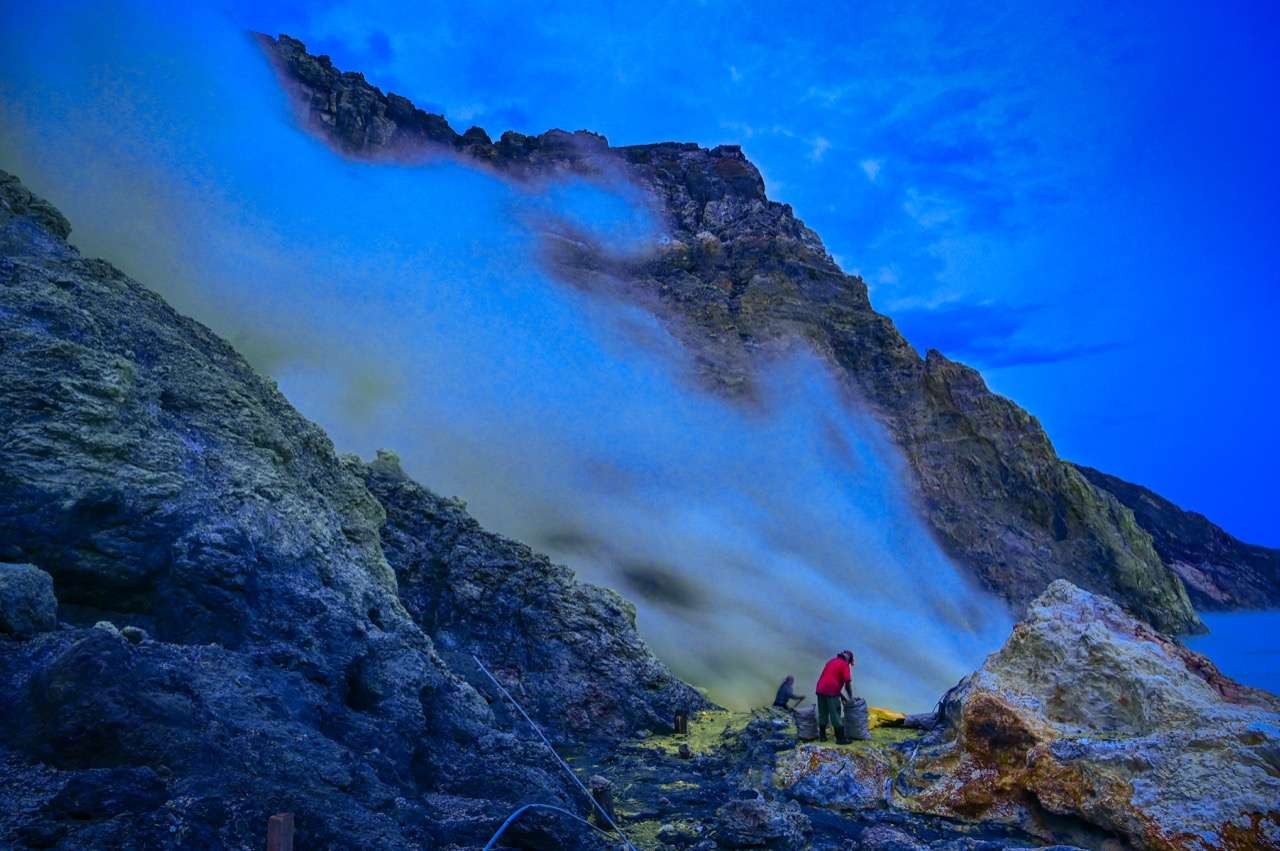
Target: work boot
[{"x": 822, "y": 734}]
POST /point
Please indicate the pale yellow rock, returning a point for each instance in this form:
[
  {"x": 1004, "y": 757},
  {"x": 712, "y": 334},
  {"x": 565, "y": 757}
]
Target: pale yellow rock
[{"x": 1087, "y": 712}]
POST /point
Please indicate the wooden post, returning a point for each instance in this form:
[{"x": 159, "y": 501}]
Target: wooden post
[
  {"x": 682, "y": 723},
  {"x": 685, "y": 751},
  {"x": 602, "y": 794},
  {"x": 280, "y": 832}
]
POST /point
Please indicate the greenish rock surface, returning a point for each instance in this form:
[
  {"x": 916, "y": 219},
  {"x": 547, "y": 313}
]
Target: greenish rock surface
[{"x": 568, "y": 650}]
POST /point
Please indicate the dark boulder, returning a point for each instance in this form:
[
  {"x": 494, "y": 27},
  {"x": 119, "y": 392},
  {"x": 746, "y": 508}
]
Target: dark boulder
[
  {"x": 103, "y": 793},
  {"x": 756, "y": 822},
  {"x": 27, "y": 604}
]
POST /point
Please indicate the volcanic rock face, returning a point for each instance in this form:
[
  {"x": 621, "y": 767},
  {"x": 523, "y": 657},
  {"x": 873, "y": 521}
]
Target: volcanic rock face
[
  {"x": 266, "y": 662},
  {"x": 1219, "y": 570},
  {"x": 1088, "y": 713},
  {"x": 738, "y": 279}
]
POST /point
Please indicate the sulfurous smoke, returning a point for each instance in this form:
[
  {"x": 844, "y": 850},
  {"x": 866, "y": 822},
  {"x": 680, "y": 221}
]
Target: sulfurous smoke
[{"x": 404, "y": 305}]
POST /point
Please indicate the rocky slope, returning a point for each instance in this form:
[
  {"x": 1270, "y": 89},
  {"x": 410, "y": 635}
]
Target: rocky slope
[
  {"x": 739, "y": 280},
  {"x": 568, "y": 651},
  {"x": 230, "y": 640},
  {"x": 1219, "y": 570},
  {"x": 729, "y": 792},
  {"x": 1086, "y": 725}
]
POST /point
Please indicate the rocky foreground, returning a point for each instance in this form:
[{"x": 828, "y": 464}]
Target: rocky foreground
[
  {"x": 1088, "y": 713},
  {"x": 1087, "y": 729}
]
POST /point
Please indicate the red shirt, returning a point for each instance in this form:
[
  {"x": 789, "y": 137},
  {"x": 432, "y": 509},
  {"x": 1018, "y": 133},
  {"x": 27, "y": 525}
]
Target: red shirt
[{"x": 834, "y": 676}]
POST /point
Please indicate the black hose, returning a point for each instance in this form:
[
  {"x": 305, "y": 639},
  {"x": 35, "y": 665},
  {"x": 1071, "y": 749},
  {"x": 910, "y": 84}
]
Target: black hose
[
  {"x": 492, "y": 843},
  {"x": 626, "y": 842}
]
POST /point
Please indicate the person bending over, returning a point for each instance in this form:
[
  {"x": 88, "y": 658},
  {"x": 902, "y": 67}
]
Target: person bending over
[
  {"x": 787, "y": 693},
  {"x": 837, "y": 677}
]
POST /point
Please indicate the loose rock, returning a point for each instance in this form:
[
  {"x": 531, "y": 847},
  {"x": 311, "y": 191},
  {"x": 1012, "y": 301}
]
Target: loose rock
[
  {"x": 760, "y": 823},
  {"x": 27, "y": 604},
  {"x": 134, "y": 634}
]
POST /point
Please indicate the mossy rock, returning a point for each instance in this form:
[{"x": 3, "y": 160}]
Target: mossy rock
[{"x": 708, "y": 730}]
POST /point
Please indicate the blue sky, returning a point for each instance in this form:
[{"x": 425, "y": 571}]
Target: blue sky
[{"x": 1082, "y": 202}]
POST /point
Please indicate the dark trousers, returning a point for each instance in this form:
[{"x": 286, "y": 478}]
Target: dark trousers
[{"x": 829, "y": 711}]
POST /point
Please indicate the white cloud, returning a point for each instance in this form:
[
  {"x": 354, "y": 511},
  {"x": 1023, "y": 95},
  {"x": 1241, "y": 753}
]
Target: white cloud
[
  {"x": 818, "y": 148},
  {"x": 748, "y": 131},
  {"x": 937, "y": 300},
  {"x": 735, "y": 74},
  {"x": 871, "y": 168},
  {"x": 928, "y": 211},
  {"x": 827, "y": 95}
]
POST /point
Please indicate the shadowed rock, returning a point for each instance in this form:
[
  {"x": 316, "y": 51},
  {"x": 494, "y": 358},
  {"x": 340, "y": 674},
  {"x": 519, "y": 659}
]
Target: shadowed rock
[
  {"x": 759, "y": 823},
  {"x": 568, "y": 651}
]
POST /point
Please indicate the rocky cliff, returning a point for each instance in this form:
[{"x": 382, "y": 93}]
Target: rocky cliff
[
  {"x": 199, "y": 625},
  {"x": 739, "y": 279},
  {"x": 1219, "y": 570}
]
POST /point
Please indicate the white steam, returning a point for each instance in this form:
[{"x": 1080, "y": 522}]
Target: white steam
[{"x": 404, "y": 306}]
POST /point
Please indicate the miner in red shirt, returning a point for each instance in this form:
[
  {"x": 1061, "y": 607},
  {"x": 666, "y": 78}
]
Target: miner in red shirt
[{"x": 837, "y": 676}]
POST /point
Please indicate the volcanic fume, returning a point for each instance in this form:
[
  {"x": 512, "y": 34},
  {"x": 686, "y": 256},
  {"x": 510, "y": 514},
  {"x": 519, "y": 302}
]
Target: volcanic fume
[{"x": 627, "y": 357}]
